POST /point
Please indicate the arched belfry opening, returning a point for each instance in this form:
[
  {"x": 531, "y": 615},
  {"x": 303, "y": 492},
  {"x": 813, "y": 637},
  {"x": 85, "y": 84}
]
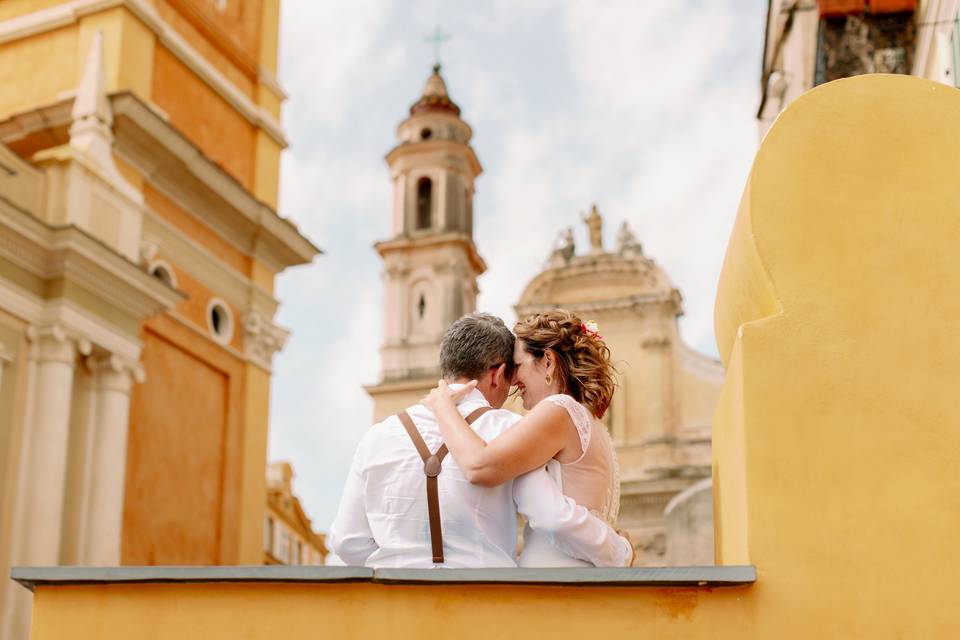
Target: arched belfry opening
[{"x": 424, "y": 203}]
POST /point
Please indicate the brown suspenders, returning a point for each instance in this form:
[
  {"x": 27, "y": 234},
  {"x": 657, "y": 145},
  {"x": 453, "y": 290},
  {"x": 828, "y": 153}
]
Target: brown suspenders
[{"x": 431, "y": 467}]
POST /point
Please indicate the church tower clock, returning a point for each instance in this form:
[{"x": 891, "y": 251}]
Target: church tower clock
[{"x": 430, "y": 263}]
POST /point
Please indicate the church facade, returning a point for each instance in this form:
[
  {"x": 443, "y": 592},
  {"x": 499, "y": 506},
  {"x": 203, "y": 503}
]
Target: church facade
[
  {"x": 662, "y": 410},
  {"x": 661, "y": 415},
  {"x": 139, "y": 242}
]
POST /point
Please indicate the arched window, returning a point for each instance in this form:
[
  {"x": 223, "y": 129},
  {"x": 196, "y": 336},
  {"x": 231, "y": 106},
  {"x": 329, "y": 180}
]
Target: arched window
[{"x": 424, "y": 203}]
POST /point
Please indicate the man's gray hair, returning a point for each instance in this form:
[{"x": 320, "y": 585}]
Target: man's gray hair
[{"x": 473, "y": 344}]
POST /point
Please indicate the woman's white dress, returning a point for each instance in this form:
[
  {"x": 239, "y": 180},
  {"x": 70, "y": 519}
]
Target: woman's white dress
[{"x": 593, "y": 480}]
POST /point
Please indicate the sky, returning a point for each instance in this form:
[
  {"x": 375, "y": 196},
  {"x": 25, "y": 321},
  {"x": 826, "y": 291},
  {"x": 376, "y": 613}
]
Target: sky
[{"x": 644, "y": 107}]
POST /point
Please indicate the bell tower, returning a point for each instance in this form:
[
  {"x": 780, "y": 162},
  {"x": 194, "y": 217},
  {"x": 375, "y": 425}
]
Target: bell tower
[{"x": 430, "y": 263}]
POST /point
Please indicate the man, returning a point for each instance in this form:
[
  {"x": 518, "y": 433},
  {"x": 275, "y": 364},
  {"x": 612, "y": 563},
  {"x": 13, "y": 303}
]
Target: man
[{"x": 383, "y": 517}]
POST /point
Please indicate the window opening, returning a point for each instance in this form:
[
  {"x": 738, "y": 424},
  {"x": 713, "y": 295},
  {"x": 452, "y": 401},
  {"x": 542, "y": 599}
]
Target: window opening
[{"x": 424, "y": 203}]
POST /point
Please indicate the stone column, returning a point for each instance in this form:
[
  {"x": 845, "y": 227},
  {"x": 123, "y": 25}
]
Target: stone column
[
  {"x": 43, "y": 467},
  {"x": 102, "y": 524}
]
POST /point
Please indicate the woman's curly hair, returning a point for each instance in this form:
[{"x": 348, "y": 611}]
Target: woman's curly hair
[{"x": 583, "y": 360}]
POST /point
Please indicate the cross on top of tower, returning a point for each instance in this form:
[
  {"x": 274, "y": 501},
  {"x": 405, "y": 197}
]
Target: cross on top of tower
[{"x": 437, "y": 38}]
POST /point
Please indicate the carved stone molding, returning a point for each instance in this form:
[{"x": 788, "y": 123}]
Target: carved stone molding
[
  {"x": 149, "y": 248},
  {"x": 52, "y": 343},
  {"x": 115, "y": 371},
  {"x": 262, "y": 338}
]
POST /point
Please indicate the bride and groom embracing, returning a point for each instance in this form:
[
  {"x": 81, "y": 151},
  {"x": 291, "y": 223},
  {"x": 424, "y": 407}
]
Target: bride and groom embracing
[{"x": 405, "y": 505}]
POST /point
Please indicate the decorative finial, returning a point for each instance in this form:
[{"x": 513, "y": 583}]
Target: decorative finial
[
  {"x": 92, "y": 116},
  {"x": 437, "y": 38},
  {"x": 91, "y": 133},
  {"x": 594, "y": 223}
]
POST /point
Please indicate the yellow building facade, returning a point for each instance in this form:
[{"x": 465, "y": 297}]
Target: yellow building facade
[
  {"x": 139, "y": 242},
  {"x": 288, "y": 535}
]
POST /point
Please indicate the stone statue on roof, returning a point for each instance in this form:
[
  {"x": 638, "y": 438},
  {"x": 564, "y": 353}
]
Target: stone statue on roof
[
  {"x": 594, "y": 223},
  {"x": 627, "y": 244},
  {"x": 563, "y": 249}
]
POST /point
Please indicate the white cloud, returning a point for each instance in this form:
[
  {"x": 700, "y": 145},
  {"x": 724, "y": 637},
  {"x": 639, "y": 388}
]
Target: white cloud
[{"x": 327, "y": 49}]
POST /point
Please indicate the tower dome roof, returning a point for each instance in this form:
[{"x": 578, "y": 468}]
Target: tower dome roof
[{"x": 435, "y": 97}]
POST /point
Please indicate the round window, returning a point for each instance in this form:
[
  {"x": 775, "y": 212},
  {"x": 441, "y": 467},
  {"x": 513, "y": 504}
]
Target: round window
[
  {"x": 425, "y": 134},
  {"x": 164, "y": 273},
  {"x": 220, "y": 321}
]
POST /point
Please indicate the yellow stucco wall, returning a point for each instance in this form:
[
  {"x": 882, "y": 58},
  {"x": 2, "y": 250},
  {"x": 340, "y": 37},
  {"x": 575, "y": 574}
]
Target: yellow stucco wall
[
  {"x": 13, "y": 8},
  {"x": 836, "y": 438},
  {"x": 253, "y": 456},
  {"x": 32, "y": 58},
  {"x": 358, "y": 611}
]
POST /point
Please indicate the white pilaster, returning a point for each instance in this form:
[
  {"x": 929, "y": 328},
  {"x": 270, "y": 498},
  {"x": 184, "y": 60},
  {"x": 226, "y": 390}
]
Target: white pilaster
[{"x": 101, "y": 534}]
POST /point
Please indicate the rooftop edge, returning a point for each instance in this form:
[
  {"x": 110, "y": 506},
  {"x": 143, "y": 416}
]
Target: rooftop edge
[{"x": 705, "y": 576}]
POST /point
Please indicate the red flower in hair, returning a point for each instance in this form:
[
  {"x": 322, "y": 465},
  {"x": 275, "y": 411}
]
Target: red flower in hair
[{"x": 591, "y": 329}]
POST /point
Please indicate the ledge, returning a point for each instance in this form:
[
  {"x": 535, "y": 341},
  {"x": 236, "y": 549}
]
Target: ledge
[{"x": 707, "y": 577}]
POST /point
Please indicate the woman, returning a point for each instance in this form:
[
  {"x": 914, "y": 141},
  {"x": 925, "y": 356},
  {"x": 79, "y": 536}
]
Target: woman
[{"x": 565, "y": 379}]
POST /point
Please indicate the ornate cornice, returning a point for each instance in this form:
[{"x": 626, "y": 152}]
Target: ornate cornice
[
  {"x": 400, "y": 156},
  {"x": 636, "y": 304},
  {"x": 406, "y": 243},
  {"x": 69, "y": 254}
]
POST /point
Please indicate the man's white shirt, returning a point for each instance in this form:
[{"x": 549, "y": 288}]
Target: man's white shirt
[{"x": 382, "y": 520}]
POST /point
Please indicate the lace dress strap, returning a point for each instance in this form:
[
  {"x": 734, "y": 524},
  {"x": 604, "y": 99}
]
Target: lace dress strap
[{"x": 579, "y": 414}]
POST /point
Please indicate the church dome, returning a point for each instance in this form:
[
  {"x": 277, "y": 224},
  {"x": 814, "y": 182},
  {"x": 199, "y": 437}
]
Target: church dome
[
  {"x": 600, "y": 280},
  {"x": 435, "y": 97}
]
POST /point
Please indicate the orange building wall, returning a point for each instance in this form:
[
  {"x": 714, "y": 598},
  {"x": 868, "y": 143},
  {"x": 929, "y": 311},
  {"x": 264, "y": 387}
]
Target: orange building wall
[
  {"x": 198, "y": 231},
  {"x": 183, "y": 469},
  {"x": 204, "y": 117},
  {"x": 194, "y": 308},
  {"x": 211, "y": 34}
]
